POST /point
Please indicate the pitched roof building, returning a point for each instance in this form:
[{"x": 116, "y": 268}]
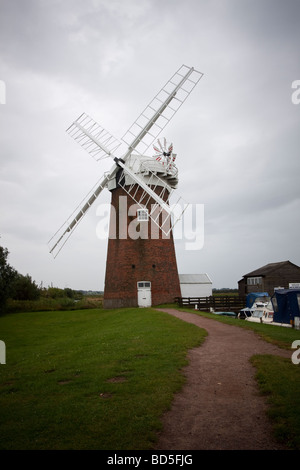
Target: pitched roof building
[
  {"x": 195, "y": 285},
  {"x": 268, "y": 277}
]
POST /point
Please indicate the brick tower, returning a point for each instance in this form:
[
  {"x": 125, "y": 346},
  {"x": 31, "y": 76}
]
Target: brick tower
[{"x": 141, "y": 267}]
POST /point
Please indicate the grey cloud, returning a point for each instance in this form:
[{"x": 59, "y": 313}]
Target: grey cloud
[{"x": 237, "y": 137}]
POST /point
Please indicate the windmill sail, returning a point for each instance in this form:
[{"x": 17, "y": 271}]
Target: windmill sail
[
  {"x": 154, "y": 118},
  {"x": 101, "y": 144},
  {"x": 61, "y": 236},
  {"x": 97, "y": 141}
]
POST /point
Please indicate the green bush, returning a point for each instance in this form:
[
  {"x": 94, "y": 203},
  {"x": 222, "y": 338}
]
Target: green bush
[
  {"x": 7, "y": 276},
  {"x": 24, "y": 288}
]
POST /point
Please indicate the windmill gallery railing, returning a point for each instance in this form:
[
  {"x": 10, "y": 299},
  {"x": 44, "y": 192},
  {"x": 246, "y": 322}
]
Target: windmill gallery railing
[{"x": 218, "y": 303}]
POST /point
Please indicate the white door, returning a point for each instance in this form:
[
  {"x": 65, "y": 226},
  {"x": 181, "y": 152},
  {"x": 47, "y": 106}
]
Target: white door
[{"x": 144, "y": 293}]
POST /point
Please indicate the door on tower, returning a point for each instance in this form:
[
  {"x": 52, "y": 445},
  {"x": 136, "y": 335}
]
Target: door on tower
[{"x": 144, "y": 293}]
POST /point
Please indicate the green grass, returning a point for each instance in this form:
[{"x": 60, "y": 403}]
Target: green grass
[
  {"x": 279, "y": 380},
  {"x": 99, "y": 379},
  {"x": 90, "y": 379}
]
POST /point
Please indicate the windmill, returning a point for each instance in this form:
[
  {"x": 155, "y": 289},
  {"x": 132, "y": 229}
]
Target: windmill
[{"x": 139, "y": 271}]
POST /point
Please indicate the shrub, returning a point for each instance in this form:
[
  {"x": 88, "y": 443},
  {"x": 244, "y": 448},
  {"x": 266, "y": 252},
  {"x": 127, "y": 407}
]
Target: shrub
[{"x": 24, "y": 288}]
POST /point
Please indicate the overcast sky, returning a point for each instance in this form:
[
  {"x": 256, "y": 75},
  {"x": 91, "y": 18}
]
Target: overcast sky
[{"x": 237, "y": 136}]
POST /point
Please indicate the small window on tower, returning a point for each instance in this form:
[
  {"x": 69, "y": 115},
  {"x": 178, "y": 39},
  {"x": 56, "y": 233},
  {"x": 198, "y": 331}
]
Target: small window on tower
[{"x": 143, "y": 215}]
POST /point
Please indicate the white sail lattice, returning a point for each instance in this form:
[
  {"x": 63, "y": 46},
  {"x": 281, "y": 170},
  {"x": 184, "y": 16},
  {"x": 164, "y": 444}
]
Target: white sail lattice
[
  {"x": 100, "y": 144},
  {"x": 161, "y": 109},
  {"x": 96, "y": 140}
]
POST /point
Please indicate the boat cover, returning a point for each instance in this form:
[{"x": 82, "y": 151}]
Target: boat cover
[
  {"x": 256, "y": 296},
  {"x": 286, "y": 304}
]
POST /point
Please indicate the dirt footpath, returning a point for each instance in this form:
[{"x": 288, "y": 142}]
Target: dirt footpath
[{"x": 220, "y": 408}]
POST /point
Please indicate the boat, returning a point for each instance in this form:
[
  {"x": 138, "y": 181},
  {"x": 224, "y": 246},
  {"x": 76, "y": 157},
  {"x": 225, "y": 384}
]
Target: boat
[
  {"x": 247, "y": 312},
  {"x": 254, "y": 301},
  {"x": 226, "y": 314},
  {"x": 261, "y": 315},
  {"x": 259, "y": 308},
  {"x": 266, "y": 315}
]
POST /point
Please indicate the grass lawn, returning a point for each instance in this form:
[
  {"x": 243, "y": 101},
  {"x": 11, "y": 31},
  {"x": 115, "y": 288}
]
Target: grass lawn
[
  {"x": 279, "y": 381},
  {"x": 90, "y": 379}
]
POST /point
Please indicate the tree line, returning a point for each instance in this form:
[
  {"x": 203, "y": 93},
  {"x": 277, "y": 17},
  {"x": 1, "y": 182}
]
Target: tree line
[{"x": 16, "y": 286}]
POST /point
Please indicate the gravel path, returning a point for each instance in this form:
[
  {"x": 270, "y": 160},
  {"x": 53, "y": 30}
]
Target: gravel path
[{"x": 220, "y": 408}]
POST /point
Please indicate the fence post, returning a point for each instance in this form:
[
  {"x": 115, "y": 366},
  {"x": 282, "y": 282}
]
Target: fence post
[{"x": 2, "y": 352}]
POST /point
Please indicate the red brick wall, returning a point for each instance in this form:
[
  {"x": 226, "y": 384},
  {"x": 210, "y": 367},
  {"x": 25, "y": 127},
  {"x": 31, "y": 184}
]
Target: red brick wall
[{"x": 132, "y": 260}]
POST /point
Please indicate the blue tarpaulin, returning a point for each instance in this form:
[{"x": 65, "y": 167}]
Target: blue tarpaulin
[
  {"x": 286, "y": 305},
  {"x": 256, "y": 297}
]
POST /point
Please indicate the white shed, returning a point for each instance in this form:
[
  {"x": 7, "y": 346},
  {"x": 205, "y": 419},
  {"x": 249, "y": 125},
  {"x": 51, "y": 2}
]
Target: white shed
[{"x": 195, "y": 285}]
